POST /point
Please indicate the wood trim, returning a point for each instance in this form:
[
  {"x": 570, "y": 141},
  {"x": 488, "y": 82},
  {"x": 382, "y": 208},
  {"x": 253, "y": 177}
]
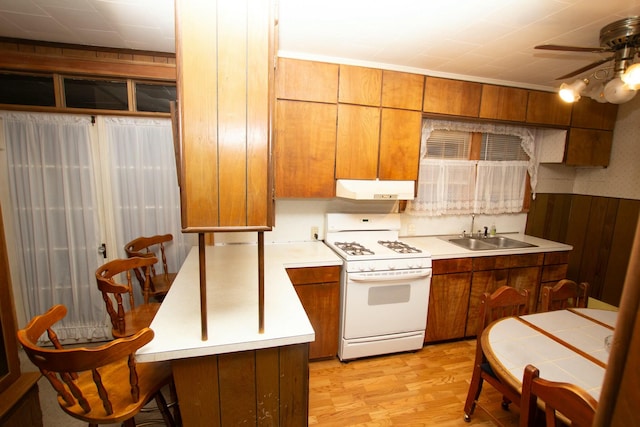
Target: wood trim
[{"x": 98, "y": 67}]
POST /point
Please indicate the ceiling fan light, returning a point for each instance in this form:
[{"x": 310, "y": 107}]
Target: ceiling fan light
[
  {"x": 597, "y": 93},
  {"x": 632, "y": 76},
  {"x": 571, "y": 92},
  {"x": 617, "y": 92}
]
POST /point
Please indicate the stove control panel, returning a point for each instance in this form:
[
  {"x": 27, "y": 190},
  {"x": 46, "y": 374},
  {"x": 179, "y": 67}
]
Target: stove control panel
[{"x": 388, "y": 264}]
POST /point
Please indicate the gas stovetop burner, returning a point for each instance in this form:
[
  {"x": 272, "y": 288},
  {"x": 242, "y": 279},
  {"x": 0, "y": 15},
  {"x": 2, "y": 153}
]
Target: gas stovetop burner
[
  {"x": 353, "y": 248},
  {"x": 399, "y": 247}
]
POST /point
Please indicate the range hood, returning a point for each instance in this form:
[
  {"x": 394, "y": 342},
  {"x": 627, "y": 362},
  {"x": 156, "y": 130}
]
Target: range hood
[{"x": 374, "y": 189}]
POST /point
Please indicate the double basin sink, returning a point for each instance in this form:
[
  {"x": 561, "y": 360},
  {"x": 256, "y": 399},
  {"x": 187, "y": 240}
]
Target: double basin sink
[{"x": 488, "y": 243}]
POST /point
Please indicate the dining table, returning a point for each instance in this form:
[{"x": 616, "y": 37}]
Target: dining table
[{"x": 565, "y": 345}]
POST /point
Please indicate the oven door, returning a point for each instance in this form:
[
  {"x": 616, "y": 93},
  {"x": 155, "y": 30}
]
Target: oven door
[{"x": 383, "y": 303}]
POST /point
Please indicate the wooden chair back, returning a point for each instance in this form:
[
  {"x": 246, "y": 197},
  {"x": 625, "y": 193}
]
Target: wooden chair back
[
  {"x": 126, "y": 316},
  {"x": 573, "y": 402},
  {"x": 504, "y": 301},
  {"x": 152, "y": 247},
  {"x": 101, "y": 384},
  {"x": 565, "y": 294}
]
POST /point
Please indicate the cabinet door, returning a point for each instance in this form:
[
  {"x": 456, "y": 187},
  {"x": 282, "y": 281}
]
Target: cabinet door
[
  {"x": 503, "y": 103},
  {"x": 357, "y": 147},
  {"x": 548, "y": 108},
  {"x": 304, "y": 149},
  {"x": 448, "y": 305},
  {"x": 321, "y": 301},
  {"x": 526, "y": 278},
  {"x": 454, "y": 97},
  {"x": 307, "y": 80},
  {"x": 399, "y": 144},
  {"x": 225, "y": 103},
  {"x": 588, "y": 113},
  {"x": 481, "y": 282},
  {"x": 588, "y": 147},
  {"x": 402, "y": 90},
  {"x": 360, "y": 85}
]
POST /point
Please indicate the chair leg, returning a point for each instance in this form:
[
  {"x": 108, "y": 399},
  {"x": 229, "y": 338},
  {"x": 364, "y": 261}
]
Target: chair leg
[
  {"x": 162, "y": 406},
  {"x": 174, "y": 405},
  {"x": 475, "y": 387}
]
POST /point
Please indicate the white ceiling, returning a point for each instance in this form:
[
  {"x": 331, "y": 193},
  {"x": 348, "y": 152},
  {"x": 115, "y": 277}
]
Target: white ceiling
[{"x": 482, "y": 40}]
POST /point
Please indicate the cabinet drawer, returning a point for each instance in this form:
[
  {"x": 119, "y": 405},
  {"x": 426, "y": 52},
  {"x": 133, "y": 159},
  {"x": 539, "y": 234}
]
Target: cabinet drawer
[
  {"x": 556, "y": 258},
  {"x": 313, "y": 275},
  {"x": 490, "y": 263},
  {"x": 455, "y": 265},
  {"x": 527, "y": 260}
]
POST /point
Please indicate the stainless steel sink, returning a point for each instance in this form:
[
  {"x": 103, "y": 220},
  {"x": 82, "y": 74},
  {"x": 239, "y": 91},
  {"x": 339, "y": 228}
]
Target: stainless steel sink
[{"x": 488, "y": 243}]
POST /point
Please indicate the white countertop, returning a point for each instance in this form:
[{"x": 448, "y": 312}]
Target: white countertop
[
  {"x": 232, "y": 302},
  {"x": 441, "y": 249}
]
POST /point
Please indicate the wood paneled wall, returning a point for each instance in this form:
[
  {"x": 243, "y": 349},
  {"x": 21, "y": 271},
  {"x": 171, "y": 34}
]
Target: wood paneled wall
[{"x": 601, "y": 231}]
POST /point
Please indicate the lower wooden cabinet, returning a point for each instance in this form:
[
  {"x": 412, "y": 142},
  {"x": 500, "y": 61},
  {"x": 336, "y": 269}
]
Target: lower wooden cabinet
[
  {"x": 319, "y": 291},
  {"x": 458, "y": 284}
]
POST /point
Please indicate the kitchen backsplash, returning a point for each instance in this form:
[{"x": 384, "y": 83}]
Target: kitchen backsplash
[{"x": 295, "y": 219}]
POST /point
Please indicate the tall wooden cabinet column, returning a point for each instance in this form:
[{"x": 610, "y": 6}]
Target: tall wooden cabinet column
[{"x": 224, "y": 61}]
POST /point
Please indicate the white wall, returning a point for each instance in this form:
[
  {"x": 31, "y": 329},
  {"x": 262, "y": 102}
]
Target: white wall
[{"x": 621, "y": 179}]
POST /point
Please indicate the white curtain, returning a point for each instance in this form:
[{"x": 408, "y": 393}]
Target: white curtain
[
  {"x": 53, "y": 192},
  {"x": 445, "y": 187},
  {"x": 73, "y": 188},
  {"x": 500, "y": 187},
  {"x": 143, "y": 184}
]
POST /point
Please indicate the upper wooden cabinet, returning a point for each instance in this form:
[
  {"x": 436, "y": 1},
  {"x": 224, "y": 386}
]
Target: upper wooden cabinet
[
  {"x": 503, "y": 103},
  {"x": 224, "y": 60},
  {"x": 588, "y": 147},
  {"x": 399, "y": 144},
  {"x": 454, "y": 97},
  {"x": 548, "y": 108},
  {"x": 402, "y": 90},
  {"x": 307, "y": 80},
  {"x": 360, "y": 85},
  {"x": 591, "y": 114},
  {"x": 357, "y": 147},
  {"x": 305, "y": 149}
]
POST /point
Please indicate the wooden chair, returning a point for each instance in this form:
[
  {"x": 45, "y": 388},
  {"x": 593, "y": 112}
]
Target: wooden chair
[
  {"x": 505, "y": 301},
  {"x": 571, "y": 401},
  {"x": 99, "y": 385},
  {"x": 127, "y": 318},
  {"x": 148, "y": 247},
  {"x": 565, "y": 294}
]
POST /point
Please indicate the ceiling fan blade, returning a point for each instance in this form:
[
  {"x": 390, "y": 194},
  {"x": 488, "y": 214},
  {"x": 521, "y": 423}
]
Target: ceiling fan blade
[
  {"x": 573, "y": 48},
  {"x": 588, "y": 67}
]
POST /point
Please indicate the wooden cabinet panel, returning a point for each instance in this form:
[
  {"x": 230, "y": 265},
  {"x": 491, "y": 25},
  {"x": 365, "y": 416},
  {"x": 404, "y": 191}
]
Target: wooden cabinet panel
[
  {"x": 448, "y": 305},
  {"x": 588, "y": 113},
  {"x": 588, "y": 147},
  {"x": 481, "y": 282},
  {"x": 526, "y": 260},
  {"x": 526, "y": 278},
  {"x": 548, "y": 108},
  {"x": 224, "y": 107},
  {"x": 402, "y": 90},
  {"x": 357, "y": 142},
  {"x": 556, "y": 258},
  {"x": 360, "y": 85},
  {"x": 319, "y": 291},
  {"x": 307, "y": 80},
  {"x": 453, "y": 265},
  {"x": 490, "y": 262},
  {"x": 454, "y": 97},
  {"x": 304, "y": 149},
  {"x": 503, "y": 103},
  {"x": 553, "y": 273},
  {"x": 400, "y": 132}
]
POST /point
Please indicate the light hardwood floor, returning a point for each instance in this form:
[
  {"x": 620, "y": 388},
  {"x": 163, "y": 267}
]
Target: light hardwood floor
[{"x": 425, "y": 388}]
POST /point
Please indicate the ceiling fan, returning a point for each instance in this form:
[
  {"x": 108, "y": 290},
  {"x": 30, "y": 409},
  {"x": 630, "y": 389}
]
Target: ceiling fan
[{"x": 622, "y": 39}]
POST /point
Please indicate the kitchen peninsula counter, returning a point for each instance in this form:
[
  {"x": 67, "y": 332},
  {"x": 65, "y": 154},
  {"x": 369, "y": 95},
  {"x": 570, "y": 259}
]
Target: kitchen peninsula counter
[
  {"x": 232, "y": 302},
  {"x": 239, "y": 375},
  {"x": 439, "y": 248}
]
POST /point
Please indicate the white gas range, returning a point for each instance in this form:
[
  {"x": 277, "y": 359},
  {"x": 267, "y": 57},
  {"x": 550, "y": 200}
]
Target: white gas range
[{"x": 384, "y": 286}]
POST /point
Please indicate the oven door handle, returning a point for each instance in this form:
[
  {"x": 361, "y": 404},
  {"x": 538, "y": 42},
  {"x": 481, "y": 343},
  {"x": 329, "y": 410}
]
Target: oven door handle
[{"x": 365, "y": 277}]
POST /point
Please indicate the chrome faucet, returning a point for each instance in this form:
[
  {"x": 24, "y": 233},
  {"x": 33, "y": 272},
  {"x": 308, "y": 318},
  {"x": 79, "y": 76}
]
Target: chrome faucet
[{"x": 473, "y": 219}]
